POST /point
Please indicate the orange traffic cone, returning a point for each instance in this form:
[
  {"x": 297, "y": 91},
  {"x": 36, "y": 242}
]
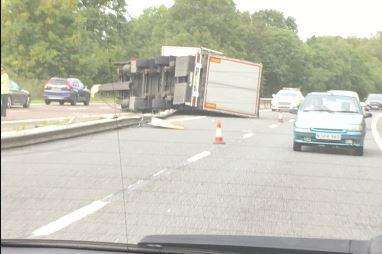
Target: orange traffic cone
[
  {"x": 280, "y": 118},
  {"x": 219, "y": 134}
]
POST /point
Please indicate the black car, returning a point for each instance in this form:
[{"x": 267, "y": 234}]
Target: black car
[
  {"x": 18, "y": 96},
  {"x": 374, "y": 101},
  {"x": 63, "y": 90}
]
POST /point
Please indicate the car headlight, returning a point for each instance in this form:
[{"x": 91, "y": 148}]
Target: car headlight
[
  {"x": 355, "y": 127},
  {"x": 298, "y": 127}
]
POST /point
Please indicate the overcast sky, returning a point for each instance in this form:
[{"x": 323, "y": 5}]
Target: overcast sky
[{"x": 361, "y": 18}]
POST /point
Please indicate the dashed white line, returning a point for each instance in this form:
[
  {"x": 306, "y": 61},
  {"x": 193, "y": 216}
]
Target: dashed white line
[
  {"x": 69, "y": 218},
  {"x": 159, "y": 172},
  {"x": 272, "y": 126},
  {"x": 247, "y": 135},
  {"x": 198, "y": 156},
  {"x": 84, "y": 211},
  {"x": 108, "y": 196},
  {"x": 374, "y": 130},
  {"x": 35, "y": 120}
]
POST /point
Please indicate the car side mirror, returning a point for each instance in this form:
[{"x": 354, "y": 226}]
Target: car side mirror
[
  {"x": 273, "y": 95},
  {"x": 293, "y": 111},
  {"x": 368, "y": 115}
]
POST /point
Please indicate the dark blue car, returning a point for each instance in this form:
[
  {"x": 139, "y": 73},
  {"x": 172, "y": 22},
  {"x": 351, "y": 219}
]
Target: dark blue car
[{"x": 63, "y": 90}]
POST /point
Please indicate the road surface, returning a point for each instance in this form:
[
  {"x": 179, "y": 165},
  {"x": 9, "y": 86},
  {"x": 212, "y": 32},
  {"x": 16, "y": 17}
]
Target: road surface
[{"x": 179, "y": 182}]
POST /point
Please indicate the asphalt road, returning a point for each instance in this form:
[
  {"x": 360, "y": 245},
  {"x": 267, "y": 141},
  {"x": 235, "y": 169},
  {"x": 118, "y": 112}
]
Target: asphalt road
[
  {"x": 179, "y": 182},
  {"x": 54, "y": 110}
]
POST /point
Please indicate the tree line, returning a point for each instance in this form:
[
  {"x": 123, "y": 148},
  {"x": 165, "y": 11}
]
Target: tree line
[{"x": 82, "y": 38}]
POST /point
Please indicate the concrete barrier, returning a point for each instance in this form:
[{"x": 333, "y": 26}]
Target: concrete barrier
[{"x": 50, "y": 133}]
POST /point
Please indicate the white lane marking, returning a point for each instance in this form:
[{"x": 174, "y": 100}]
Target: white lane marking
[
  {"x": 75, "y": 108},
  {"x": 198, "y": 156},
  {"x": 374, "y": 130},
  {"x": 159, "y": 172},
  {"x": 247, "y": 135},
  {"x": 183, "y": 119},
  {"x": 135, "y": 185},
  {"x": 82, "y": 212},
  {"x": 69, "y": 218},
  {"x": 273, "y": 126},
  {"x": 35, "y": 120},
  {"x": 291, "y": 120},
  {"x": 108, "y": 196},
  {"x": 71, "y": 120}
]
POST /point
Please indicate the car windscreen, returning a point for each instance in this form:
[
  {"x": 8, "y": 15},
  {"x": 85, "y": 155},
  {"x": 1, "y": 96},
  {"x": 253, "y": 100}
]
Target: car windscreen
[
  {"x": 13, "y": 86},
  {"x": 57, "y": 81},
  {"x": 331, "y": 103}
]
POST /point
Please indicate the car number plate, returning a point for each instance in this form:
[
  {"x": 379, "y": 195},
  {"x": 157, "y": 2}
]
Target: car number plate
[{"x": 328, "y": 136}]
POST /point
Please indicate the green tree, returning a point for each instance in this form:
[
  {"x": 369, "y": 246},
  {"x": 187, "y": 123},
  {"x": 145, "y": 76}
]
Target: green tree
[
  {"x": 275, "y": 19},
  {"x": 81, "y": 38},
  {"x": 338, "y": 64}
]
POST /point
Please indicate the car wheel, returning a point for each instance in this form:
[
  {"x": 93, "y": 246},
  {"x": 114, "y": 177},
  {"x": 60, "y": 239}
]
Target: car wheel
[
  {"x": 27, "y": 103},
  {"x": 297, "y": 147},
  {"x": 358, "y": 151},
  {"x": 61, "y": 102},
  {"x": 86, "y": 101},
  {"x": 47, "y": 102},
  {"x": 74, "y": 101},
  {"x": 9, "y": 102}
]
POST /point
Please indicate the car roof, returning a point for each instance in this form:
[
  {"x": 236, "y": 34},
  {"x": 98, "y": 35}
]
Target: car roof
[
  {"x": 318, "y": 93},
  {"x": 58, "y": 78},
  {"x": 343, "y": 92},
  {"x": 329, "y": 93},
  {"x": 290, "y": 90}
]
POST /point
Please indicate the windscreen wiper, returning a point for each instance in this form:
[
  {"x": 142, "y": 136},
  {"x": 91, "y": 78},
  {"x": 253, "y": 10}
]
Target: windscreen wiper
[
  {"x": 347, "y": 111},
  {"x": 211, "y": 244},
  {"x": 35, "y": 246}
]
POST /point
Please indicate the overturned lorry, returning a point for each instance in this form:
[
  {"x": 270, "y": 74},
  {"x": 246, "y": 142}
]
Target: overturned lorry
[{"x": 191, "y": 79}]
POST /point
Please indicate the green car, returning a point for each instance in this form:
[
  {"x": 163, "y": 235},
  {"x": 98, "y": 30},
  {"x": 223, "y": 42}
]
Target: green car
[{"x": 326, "y": 119}]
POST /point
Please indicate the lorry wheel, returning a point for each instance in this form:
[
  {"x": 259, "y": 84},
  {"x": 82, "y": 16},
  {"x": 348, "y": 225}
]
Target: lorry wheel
[
  {"x": 61, "y": 102},
  {"x": 47, "y": 102},
  {"x": 297, "y": 147},
  {"x": 358, "y": 151}
]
